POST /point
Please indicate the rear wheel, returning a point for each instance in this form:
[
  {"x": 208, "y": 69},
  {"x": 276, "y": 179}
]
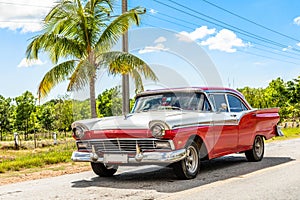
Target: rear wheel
[
  {"x": 257, "y": 152},
  {"x": 188, "y": 168},
  {"x": 102, "y": 170}
]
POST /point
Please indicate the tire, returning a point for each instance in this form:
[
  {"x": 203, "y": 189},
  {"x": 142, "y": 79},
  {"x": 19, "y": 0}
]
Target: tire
[
  {"x": 189, "y": 167},
  {"x": 257, "y": 152},
  {"x": 101, "y": 170}
]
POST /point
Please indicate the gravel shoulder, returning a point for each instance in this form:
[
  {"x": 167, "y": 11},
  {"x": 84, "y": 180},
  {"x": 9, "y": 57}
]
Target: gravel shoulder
[
  {"x": 53, "y": 171},
  {"x": 231, "y": 177}
]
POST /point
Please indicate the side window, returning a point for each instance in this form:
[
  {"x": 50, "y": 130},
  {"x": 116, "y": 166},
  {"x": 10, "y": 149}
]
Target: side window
[
  {"x": 219, "y": 102},
  {"x": 235, "y": 104}
]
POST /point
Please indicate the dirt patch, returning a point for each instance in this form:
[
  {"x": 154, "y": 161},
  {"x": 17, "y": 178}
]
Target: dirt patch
[{"x": 45, "y": 172}]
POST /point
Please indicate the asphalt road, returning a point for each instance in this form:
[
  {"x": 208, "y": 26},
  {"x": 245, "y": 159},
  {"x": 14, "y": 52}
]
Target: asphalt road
[{"x": 277, "y": 176}]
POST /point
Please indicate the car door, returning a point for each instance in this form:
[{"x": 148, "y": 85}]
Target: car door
[
  {"x": 225, "y": 126},
  {"x": 246, "y": 119}
]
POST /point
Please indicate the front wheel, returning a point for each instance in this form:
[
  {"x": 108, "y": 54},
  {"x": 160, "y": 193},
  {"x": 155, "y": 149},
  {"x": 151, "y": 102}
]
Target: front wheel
[
  {"x": 257, "y": 152},
  {"x": 188, "y": 168},
  {"x": 102, "y": 170}
]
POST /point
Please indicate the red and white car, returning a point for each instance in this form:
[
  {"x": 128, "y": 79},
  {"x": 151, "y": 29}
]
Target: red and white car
[{"x": 176, "y": 127}]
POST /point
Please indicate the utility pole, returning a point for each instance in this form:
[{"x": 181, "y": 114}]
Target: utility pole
[{"x": 125, "y": 77}]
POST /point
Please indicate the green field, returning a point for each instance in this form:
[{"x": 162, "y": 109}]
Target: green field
[
  {"x": 289, "y": 133},
  {"x": 16, "y": 160}
]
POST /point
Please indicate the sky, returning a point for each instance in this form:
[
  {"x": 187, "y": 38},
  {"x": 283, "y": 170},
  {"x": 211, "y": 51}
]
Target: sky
[{"x": 188, "y": 43}]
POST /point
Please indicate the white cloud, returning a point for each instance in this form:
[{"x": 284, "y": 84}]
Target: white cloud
[
  {"x": 24, "y": 15},
  {"x": 297, "y": 21},
  {"x": 28, "y": 63},
  {"x": 160, "y": 40},
  {"x": 199, "y": 33},
  {"x": 157, "y": 47},
  {"x": 152, "y": 11},
  {"x": 287, "y": 48},
  {"x": 260, "y": 63},
  {"x": 225, "y": 40}
]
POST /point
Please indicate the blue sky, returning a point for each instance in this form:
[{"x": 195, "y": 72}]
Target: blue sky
[{"x": 244, "y": 54}]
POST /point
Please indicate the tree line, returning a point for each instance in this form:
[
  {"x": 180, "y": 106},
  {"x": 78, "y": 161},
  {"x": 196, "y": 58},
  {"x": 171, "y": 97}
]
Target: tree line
[
  {"x": 24, "y": 115},
  {"x": 278, "y": 93}
]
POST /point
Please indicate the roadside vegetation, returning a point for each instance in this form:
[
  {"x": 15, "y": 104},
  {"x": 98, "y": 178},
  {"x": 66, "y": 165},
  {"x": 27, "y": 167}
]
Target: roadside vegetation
[
  {"x": 86, "y": 48},
  {"x": 49, "y": 154},
  {"x": 36, "y": 124},
  {"x": 285, "y": 95},
  {"x": 28, "y": 157},
  {"x": 289, "y": 133}
]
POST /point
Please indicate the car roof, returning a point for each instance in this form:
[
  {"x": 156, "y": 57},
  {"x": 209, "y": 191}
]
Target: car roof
[{"x": 192, "y": 89}]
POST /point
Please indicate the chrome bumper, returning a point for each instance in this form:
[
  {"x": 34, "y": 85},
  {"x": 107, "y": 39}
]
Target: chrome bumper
[
  {"x": 279, "y": 131},
  {"x": 139, "y": 158}
]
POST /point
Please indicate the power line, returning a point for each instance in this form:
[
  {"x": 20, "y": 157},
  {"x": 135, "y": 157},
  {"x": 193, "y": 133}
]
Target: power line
[
  {"x": 172, "y": 17},
  {"x": 171, "y": 22},
  {"x": 188, "y": 22},
  {"x": 13, "y": 21},
  {"x": 243, "y": 32},
  {"x": 246, "y": 52},
  {"x": 269, "y": 47},
  {"x": 276, "y": 53},
  {"x": 243, "y": 51},
  {"x": 272, "y": 52},
  {"x": 23, "y": 4},
  {"x": 250, "y": 21},
  {"x": 271, "y": 58}
]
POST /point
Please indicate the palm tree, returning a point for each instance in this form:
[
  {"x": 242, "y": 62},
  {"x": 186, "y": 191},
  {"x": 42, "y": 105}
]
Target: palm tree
[{"x": 78, "y": 36}]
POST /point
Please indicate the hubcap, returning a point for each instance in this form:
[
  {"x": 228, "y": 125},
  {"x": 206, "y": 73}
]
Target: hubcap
[
  {"x": 191, "y": 160},
  {"x": 258, "y": 147}
]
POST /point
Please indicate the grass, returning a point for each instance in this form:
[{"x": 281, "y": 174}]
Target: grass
[
  {"x": 49, "y": 154},
  {"x": 289, "y": 133},
  {"x": 16, "y": 160}
]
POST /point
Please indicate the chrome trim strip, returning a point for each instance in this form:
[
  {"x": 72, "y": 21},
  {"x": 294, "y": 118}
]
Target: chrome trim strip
[
  {"x": 132, "y": 139},
  {"x": 208, "y": 123},
  {"x": 231, "y": 122},
  {"x": 172, "y": 146},
  {"x": 148, "y": 157}
]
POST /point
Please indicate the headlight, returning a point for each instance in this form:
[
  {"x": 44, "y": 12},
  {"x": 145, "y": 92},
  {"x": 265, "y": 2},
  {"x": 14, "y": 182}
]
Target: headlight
[
  {"x": 78, "y": 132},
  {"x": 157, "y": 130}
]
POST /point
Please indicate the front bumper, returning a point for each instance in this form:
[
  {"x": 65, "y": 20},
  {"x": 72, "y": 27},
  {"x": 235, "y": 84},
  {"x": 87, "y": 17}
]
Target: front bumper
[{"x": 139, "y": 158}]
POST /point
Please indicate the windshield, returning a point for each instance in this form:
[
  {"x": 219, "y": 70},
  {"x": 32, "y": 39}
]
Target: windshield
[{"x": 170, "y": 101}]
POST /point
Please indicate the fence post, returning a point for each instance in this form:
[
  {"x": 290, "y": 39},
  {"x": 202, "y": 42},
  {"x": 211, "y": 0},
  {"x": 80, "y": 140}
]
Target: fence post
[
  {"x": 16, "y": 139},
  {"x": 54, "y": 138}
]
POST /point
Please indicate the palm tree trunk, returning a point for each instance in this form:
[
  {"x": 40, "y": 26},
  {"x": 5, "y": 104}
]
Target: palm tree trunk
[
  {"x": 93, "y": 98},
  {"x": 92, "y": 61}
]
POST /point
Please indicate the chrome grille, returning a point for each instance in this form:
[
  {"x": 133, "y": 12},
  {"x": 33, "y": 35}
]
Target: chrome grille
[{"x": 123, "y": 145}]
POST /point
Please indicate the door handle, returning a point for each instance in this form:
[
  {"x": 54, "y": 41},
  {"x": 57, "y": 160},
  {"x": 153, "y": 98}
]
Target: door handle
[{"x": 233, "y": 115}]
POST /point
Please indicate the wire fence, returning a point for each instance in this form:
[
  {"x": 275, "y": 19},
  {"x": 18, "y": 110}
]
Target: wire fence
[{"x": 38, "y": 140}]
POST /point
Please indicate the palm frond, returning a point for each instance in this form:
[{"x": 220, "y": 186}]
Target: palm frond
[
  {"x": 81, "y": 76},
  {"x": 116, "y": 28},
  {"x": 123, "y": 63},
  {"x": 57, "y": 46},
  {"x": 138, "y": 82},
  {"x": 57, "y": 74}
]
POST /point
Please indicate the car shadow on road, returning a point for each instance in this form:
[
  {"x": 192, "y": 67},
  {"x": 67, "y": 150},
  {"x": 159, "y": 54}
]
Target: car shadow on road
[{"x": 162, "y": 179}]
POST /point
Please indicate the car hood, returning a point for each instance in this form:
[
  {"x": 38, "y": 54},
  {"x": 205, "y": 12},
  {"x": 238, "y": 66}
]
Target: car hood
[{"x": 141, "y": 120}]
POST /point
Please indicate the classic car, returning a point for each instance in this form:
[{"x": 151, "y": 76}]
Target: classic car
[{"x": 176, "y": 127}]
